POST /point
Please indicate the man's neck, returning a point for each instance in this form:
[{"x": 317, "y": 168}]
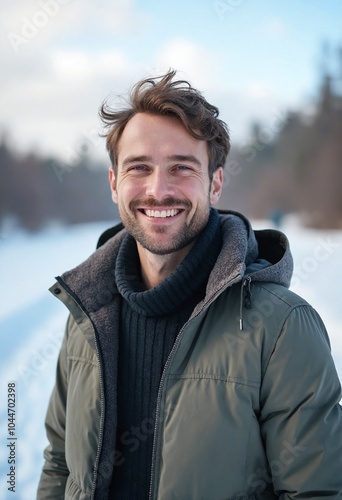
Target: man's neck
[{"x": 156, "y": 268}]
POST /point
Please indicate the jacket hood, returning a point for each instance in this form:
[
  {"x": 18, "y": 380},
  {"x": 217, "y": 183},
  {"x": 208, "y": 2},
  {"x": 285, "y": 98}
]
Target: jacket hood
[
  {"x": 248, "y": 255},
  {"x": 261, "y": 255},
  {"x": 267, "y": 256},
  {"x": 264, "y": 255}
]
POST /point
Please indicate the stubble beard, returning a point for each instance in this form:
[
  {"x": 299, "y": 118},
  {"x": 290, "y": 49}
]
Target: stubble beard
[{"x": 184, "y": 237}]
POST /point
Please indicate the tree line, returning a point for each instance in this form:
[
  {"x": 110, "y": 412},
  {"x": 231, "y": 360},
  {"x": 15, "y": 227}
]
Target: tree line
[
  {"x": 293, "y": 165},
  {"x": 297, "y": 169},
  {"x": 35, "y": 191}
]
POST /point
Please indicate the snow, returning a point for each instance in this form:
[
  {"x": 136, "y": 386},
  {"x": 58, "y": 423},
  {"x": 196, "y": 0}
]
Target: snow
[{"x": 32, "y": 323}]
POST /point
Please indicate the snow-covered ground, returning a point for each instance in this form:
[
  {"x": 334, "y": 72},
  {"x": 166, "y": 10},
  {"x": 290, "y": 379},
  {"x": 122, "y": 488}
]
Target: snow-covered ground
[{"x": 32, "y": 324}]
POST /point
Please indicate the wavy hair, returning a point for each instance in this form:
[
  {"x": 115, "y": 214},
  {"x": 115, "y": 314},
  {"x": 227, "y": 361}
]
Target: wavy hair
[{"x": 165, "y": 96}]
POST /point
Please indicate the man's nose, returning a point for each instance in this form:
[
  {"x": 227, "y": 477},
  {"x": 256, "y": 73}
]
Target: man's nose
[{"x": 159, "y": 185}]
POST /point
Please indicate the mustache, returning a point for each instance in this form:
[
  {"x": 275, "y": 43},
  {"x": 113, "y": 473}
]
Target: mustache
[{"x": 165, "y": 202}]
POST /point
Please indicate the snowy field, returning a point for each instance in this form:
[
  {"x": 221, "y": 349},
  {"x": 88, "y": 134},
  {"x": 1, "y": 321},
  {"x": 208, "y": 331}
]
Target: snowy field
[{"x": 32, "y": 323}]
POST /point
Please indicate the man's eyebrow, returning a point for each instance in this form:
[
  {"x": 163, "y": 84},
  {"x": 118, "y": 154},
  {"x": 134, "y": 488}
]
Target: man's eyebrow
[
  {"x": 185, "y": 158},
  {"x": 134, "y": 159},
  {"x": 172, "y": 158}
]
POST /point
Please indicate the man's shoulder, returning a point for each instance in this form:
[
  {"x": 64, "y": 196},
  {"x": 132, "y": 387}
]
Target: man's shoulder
[
  {"x": 273, "y": 305},
  {"x": 278, "y": 293},
  {"x": 92, "y": 282}
]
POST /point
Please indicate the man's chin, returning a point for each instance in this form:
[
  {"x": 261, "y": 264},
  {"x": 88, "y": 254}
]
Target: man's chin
[{"x": 166, "y": 248}]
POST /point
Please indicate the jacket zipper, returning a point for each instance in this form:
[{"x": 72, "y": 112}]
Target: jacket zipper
[
  {"x": 102, "y": 402},
  {"x": 99, "y": 445},
  {"x": 245, "y": 301},
  {"x": 167, "y": 364}
]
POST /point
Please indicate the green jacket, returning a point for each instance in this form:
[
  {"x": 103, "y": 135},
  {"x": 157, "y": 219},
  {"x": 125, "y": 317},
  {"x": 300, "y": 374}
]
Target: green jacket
[{"x": 248, "y": 404}]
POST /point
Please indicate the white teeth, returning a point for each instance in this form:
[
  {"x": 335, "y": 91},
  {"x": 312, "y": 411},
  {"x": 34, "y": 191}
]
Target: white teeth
[{"x": 162, "y": 214}]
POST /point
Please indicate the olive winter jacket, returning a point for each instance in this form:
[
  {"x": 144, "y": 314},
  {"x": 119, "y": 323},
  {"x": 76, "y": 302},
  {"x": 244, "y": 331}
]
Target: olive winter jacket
[{"x": 248, "y": 403}]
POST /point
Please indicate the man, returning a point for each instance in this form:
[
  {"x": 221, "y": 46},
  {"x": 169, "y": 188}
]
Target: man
[{"x": 188, "y": 369}]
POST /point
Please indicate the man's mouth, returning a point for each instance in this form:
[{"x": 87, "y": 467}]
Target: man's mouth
[{"x": 162, "y": 214}]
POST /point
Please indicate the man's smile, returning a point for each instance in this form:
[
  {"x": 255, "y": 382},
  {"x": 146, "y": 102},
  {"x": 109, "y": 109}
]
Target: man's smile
[{"x": 162, "y": 214}]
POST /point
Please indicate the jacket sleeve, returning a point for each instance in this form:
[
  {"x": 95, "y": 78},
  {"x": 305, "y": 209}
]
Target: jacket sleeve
[
  {"x": 301, "y": 418},
  {"x": 55, "y": 471}
]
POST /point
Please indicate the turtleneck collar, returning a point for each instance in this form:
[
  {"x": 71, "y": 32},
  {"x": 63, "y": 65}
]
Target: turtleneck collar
[{"x": 186, "y": 281}]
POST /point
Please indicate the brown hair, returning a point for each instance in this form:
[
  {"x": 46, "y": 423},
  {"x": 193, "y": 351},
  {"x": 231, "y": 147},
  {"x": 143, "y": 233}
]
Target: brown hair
[{"x": 164, "y": 97}]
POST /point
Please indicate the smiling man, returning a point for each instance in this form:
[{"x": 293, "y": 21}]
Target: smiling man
[
  {"x": 163, "y": 191},
  {"x": 188, "y": 369}
]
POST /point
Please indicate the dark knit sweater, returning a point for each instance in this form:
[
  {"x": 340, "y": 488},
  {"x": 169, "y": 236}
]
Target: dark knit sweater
[{"x": 150, "y": 321}]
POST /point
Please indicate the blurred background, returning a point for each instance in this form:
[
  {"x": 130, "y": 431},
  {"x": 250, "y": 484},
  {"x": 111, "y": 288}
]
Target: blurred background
[{"x": 274, "y": 69}]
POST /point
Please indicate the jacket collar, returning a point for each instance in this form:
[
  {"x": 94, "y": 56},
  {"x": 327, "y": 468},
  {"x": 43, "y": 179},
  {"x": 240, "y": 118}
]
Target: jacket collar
[{"x": 93, "y": 281}]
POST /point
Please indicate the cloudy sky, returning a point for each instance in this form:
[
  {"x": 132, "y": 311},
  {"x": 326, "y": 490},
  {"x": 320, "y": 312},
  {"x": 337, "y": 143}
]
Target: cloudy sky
[{"x": 61, "y": 58}]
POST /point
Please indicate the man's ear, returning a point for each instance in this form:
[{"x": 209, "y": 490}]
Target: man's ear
[
  {"x": 216, "y": 186},
  {"x": 112, "y": 183}
]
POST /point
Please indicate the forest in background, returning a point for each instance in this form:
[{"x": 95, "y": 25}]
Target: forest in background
[
  {"x": 37, "y": 192},
  {"x": 296, "y": 170},
  {"x": 292, "y": 165}
]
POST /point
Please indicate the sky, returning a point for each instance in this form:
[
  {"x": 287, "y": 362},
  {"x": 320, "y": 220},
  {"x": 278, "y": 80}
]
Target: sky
[{"x": 60, "y": 59}]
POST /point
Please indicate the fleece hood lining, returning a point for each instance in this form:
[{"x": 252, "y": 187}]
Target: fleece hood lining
[{"x": 93, "y": 281}]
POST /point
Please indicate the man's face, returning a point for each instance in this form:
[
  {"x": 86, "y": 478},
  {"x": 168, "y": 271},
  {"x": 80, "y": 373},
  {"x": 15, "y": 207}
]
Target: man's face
[{"x": 162, "y": 183}]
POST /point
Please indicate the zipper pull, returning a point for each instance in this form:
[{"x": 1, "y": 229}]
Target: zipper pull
[
  {"x": 246, "y": 297},
  {"x": 247, "y": 302}
]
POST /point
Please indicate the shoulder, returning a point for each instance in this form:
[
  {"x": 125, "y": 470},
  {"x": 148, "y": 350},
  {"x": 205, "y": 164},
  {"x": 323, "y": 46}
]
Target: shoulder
[
  {"x": 275, "y": 314},
  {"x": 291, "y": 324},
  {"x": 278, "y": 294},
  {"x": 275, "y": 305}
]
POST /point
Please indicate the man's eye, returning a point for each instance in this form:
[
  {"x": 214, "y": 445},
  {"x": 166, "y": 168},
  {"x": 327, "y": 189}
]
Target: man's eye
[
  {"x": 138, "y": 167},
  {"x": 182, "y": 167}
]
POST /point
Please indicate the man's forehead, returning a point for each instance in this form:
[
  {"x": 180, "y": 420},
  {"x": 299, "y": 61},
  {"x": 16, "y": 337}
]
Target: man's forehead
[
  {"x": 145, "y": 130},
  {"x": 141, "y": 123}
]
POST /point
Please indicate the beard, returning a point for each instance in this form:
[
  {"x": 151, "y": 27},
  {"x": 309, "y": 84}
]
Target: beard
[{"x": 160, "y": 239}]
